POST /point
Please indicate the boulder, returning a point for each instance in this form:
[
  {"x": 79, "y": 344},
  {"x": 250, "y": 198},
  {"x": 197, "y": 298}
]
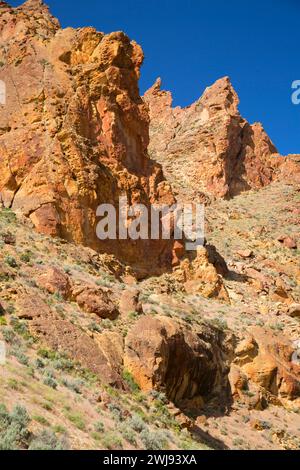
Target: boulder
[
  {"x": 155, "y": 347},
  {"x": 55, "y": 281},
  {"x": 97, "y": 301}
]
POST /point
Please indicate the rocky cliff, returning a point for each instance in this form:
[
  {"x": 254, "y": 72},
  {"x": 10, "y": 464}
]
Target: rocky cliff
[
  {"x": 103, "y": 359},
  {"x": 74, "y": 131},
  {"x": 208, "y": 148}
]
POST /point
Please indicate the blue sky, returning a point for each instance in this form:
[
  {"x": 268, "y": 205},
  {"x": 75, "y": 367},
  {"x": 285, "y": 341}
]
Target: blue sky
[{"x": 192, "y": 43}]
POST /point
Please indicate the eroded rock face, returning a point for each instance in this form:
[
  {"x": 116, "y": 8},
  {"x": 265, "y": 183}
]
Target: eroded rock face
[
  {"x": 162, "y": 353},
  {"x": 96, "y": 300},
  {"x": 266, "y": 361},
  {"x": 62, "y": 335},
  {"x": 74, "y": 130},
  {"x": 208, "y": 148}
]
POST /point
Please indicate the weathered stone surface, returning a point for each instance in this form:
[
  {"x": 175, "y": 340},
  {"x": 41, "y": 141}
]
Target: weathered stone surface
[
  {"x": 201, "y": 276},
  {"x": 55, "y": 281},
  {"x": 129, "y": 302},
  {"x": 209, "y": 148},
  {"x": 294, "y": 310},
  {"x": 74, "y": 131},
  {"x": 266, "y": 360},
  {"x": 156, "y": 346},
  {"x": 96, "y": 300},
  {"x": 63, "y": 336}
]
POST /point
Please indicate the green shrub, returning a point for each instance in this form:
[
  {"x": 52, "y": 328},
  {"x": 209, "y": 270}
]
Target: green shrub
[
  {"x": 57, "y": 428},
  {"x": 8, "y": 335},
  {"x": 77, "y": 420},
  {"x": 128, "y": 378},
  {"x": 14, "y": 432},
  {"x": 13, "y": 384},
  {"x": 10, "y": 260},
  {"x": 41, "y": 420},
  {"x": 26, "y": 256},
  {"x": 74, "y": 385},
  {"x": 116, "y": 412},
  {"x": 99, "y": 426},
  {"x": 49, "y": 379},
  {"x": 112, "y": 441},
  {"x": 153, "y": 440},
  {"x": 8, "y": 216},
  {"x": 47, "y": 440},
  {"x": 128, "y": 434},
  {"x": 20, "y": 356},
  {"x": 137, "y": 423}
]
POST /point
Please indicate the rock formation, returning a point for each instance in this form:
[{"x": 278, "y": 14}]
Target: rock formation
[
  {"x": 164, "y": 354},
  {"x": 74, "y": 130},
  {"x": 120, "y": 343},
  {"x": 208, "y": 148}
]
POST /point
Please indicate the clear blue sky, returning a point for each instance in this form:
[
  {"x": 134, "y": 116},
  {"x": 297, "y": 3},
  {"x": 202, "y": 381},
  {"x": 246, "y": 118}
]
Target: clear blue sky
[{"x": 192, "y": 43}]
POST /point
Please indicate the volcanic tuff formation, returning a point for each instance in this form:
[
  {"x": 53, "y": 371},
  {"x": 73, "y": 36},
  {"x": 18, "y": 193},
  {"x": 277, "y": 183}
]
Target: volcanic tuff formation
[
  {"x": 210, "y": 347},
  {"x": 209, "y": 148},
  {"x": 74, "y": 132}
]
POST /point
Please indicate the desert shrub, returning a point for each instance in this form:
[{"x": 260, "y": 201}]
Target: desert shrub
[
  {"x": 8, "y": 216},
  {"x": 46, "y": 354},
  {"x": 128, "y": 378},
  {"x": 10, "y": 260},
  {"x": 137, "y": 423},
  {"x": 57, "y": 428},
  {"x": 39, "y": 364},
  {"x": 26, "y": 256},
  {"x": 116, "y": 412},
  {"x": 111, "y": 441},
  {"x": 153, "y": 440},
  {"x": 10, "y": 309},
  {"x": 219, "y": 323},
  {"x": 49, "y": 379},
  {"x": 13, "y": 384},
  {"x": 14, "y": 432},
  {"x": 63, "y": 363},
  {"x": 20, "y": 356},
  {"x": 128, "y": 434},
  {"x": 99, "y": 426},
  {"x": 8, "y": 335},
  {"x": 93, "y": 326},
  {"x": 21, "y": 328},
  {"x": 41, "y": 420},
  {"x": 47, "y": 440},
  {"x": 77, "y": 420},
  {"x": 74, "y": 385}
]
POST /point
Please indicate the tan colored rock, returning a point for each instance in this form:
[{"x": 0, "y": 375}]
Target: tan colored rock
[
  {"x": 287, "y": 241},
  {"x": 62, "y": 335},
  {"x": 156, "y": 345},
  {"x": 74, "y": 132},
  {"x": 271, "y": 368},
  {"x": 129, "y": 302},
  {"x": 245, "y": 253},
  {"x": 294, "y": 310},
  {"x": 55, "y": 281},
  {"x": 97, "y": 301},
  {"x": 262, "y": 371},
  {"x": 111, "y": 344},
  {"x": 238, "y": 381},
  {"x": 208, "y": 147},
  {"x": 201, "y": 277},
  {"x": 31, "y": 306}
]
